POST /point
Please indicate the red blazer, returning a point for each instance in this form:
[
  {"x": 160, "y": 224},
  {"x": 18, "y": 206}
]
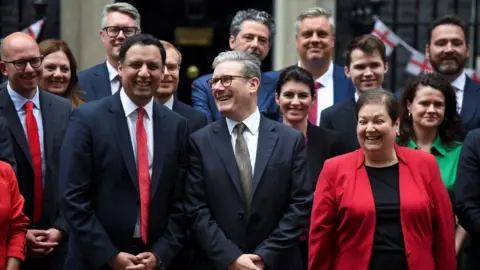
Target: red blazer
[
  {"x": 13, "y": 223},
  {"x": 343, "y": 216}
]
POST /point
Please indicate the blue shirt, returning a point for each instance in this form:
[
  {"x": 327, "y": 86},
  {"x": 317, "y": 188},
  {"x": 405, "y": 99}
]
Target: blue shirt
[{"x": 19, "y": 103}]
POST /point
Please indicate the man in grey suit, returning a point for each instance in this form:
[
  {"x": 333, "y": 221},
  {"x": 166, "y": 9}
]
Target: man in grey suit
[{"x": 248, "y": 193}]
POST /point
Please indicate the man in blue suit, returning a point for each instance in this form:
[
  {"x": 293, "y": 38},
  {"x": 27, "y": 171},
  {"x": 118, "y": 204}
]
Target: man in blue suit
[
  {"x": 366, "y": 66},
  {"x": 119, "y": 21},
  {"x": 251, "y": 31},
  {"x": 122, "y": 173},
  {"x": 448, "y": 51},
  {"x": 248, "y": 193},
  {"x": 315, "y": 41}
]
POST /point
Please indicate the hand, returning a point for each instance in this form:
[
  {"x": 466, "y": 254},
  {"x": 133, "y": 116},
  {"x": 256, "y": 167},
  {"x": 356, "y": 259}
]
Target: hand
[
  {"x": 244, "y": 262},
  {"x": 37, "y": 243},
  {"x": 55, "y": 235},
  {"x": 147, "y": 261},
  {"x": 13, "y": 263},
  {"x": 257, "y": 260},
  {"x": 123, "y": 261}
]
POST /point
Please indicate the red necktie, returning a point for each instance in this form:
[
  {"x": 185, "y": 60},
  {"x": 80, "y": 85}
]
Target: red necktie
[
  {"x": 312, "y": 116},
  {"x": 143, "y": 174},
  {"x": 34, "y": 143}
]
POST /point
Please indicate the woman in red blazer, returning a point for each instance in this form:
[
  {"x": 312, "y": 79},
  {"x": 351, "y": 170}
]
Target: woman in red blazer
[
  {"x": 382, "y": 206},
  {"x": 13, "y": 223}
]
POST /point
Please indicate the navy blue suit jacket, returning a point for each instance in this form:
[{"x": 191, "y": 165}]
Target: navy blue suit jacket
[
  {"x": 341, "y": 118},
  {"x": 55, "y": 116},
  {"x": 343, "y": 88},
  {"x": 280, "y": 204},
  {"x": 100, "y": 192},
  {"x": 470, "y": 113},
  {"x": 94, "y": 82},
  {"x": 196, "y": 120},
  {"x": 6, "y": 150},
  {"x": 202, "y": 98}
]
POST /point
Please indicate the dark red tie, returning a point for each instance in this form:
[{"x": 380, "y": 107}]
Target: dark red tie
[
  {"x": 143, "y": 174},
  {"x": 312, "y": 116},
  {"x": 34, "y": 143}
]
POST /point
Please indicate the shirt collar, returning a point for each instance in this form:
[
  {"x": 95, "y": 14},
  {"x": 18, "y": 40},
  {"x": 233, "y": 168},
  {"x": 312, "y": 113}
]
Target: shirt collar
[
  {"x": 252, "y": 122},
  {"x": 19, "y": 101},
  {"x": 112, "y": 72},
  {"x": 459, "y": 82},
  {"x": 129, "y": 107},
  {"x": 169, "y": 103},
  {"x": 326, "y": 76},
  {"x": 437, "y": 146}
]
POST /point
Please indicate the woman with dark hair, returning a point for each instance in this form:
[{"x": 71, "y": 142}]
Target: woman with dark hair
[
  {"x": 382, "y": 206},
  {"x": 294, "y": 95},
  {"x": 429, "y": 122},
  {"x": 59, "y": 71}
]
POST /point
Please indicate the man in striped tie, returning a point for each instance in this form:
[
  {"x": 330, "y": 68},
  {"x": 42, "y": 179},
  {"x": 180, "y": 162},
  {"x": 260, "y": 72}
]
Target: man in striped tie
[{"x": 37, "y": 121}]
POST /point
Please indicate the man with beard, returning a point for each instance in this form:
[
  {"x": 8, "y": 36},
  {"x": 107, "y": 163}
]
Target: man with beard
[
  {"x": 119, "y": 21},
  {"x": 168, "y": 86},
  {"x": 366, "y": 66},
  {"x": 447, "y": 51},
  {"x": 251, "y": 31},
  {"x": 315, "y": 41}
]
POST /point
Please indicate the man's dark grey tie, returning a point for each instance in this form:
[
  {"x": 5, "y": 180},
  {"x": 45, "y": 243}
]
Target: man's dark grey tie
[{"x": 243, "y": 164}]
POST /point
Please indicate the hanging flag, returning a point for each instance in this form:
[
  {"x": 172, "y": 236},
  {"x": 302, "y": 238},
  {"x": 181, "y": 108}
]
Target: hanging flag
[
  {"x": 386, "y": 35},
  {"x": 472, "y": 74},
  {"x": 34, "y": 29},
  {"x": 418, "y": 63}
]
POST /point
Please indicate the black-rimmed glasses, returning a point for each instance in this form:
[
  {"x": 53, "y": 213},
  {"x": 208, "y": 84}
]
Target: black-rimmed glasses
[
  {"x": 225, "y": 80},
  {"x": 113, "y": 31},
  {"x": 21, "y": 64}
]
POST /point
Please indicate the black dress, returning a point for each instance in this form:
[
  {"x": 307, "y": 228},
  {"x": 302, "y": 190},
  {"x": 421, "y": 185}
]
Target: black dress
[{"x": 388, "y": 250}]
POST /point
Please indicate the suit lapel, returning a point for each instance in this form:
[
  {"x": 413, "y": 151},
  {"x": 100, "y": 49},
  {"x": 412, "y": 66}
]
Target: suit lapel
[
  {"x": 49, "y": 127},
  {"x": 265, "y": 85},
  {"x": 469, "y": 101},
  {"x": 222, "y": 143},
  {"x": 159, "y": 144},
  {"x": 101, "y": 82},
  {"x": 10, "y": 113},
  {"x": 342, "y": 86},
  {"x": 124, "y": 140},
  {"x": 267, "y": 139}
]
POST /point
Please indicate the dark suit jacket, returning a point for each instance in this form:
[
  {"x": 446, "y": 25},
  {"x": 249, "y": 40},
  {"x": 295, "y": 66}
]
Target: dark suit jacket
[
  {"x": 94, "y": 82},
  {"x": 100, "y": 184},
  {"x": 203, "y": 101},
  {"x": 281, "y": 199},
  {"x": 470, "y": 113},
  {"x": 343, "y": 88},
  {"x": 196, "y": 120},
  {"x": 343, "y": 215},
  {"x": 467, "y": 196},
  {"x": 341, "y": 118},
  {"x": 322, "y": 145},
  {"x": 6, "y": 150},
  {"x": 55, "y": 115}
]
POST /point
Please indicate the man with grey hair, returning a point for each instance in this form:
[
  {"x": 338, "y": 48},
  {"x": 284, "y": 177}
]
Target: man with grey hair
[
  {"x": 315, "y": 41},
  {"x": 119, "y": 21},
  {"x": 251, "y": 31},
  {"x": 248, "y": 193}
]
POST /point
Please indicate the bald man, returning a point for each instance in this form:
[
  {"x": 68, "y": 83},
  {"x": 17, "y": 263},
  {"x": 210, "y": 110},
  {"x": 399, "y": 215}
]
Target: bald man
[{"x": 36, "y": 122}]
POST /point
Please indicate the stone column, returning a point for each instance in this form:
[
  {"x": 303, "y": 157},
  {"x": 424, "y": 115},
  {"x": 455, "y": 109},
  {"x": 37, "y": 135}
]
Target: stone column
[{"x": 80, "y": 28}]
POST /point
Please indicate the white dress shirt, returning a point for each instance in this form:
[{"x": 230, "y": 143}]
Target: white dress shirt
[
  {"x": 250, "y": 134},
  {"x": 459, "y": 85},
  {"x": 131, "y": 114},
  {"x": 113, "y": 78},
  {"x": 325, "y": 96},
  {"x": 169, "y": 103},
  {"x": 19, "y": 103}
]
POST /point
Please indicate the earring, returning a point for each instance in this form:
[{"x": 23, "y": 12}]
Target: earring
[{"x": 409, "y": 115}]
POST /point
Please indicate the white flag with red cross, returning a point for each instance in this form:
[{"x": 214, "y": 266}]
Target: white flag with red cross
[
  {"x": 34, "y": 29},
  {"x": 386, "y": 35},
  {"x": 418, "y": 63},
  {"x": 472, "y": 74}
]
